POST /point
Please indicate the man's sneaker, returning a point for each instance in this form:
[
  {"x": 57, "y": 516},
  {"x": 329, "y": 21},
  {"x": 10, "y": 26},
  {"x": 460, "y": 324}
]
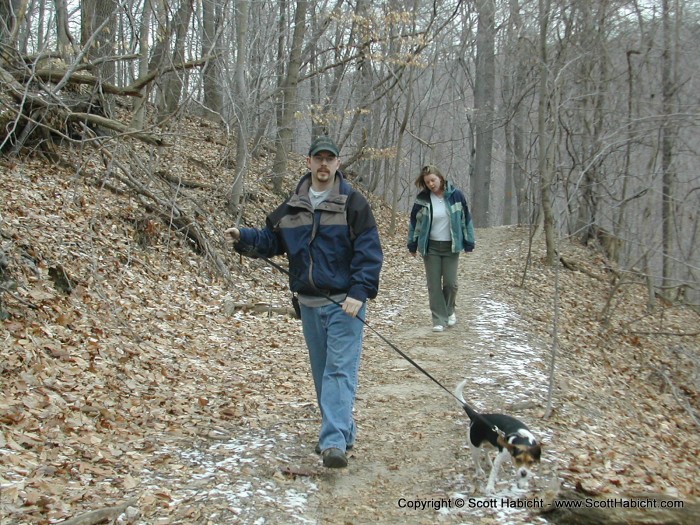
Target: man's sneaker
[
  {"x": 452, "y": 320},
  {"x": 334, "y": 458},
  {"x": 438, "y": 328},
  {"x": 317, "y": 448}
]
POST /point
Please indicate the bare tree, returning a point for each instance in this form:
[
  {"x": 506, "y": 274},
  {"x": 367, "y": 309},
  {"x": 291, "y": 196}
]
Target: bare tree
[
  {"x": 172, "y": 83},
  {"x": 64, "y": 39},
  {"x": 484, "y": 114},
  {"x": 668, "y": 134},
  {"x": 513, "y": 89},
  {"x": 287, "y": 104},
  {"x": 588, "y": 145},
  {"x": 241, "y": 109},
  {"x": 97, "y": 37},
  {"x": 12, "y": 13},
  {"x": 212, "y": 20},
  {"x": 139, "y": 117},
  {"x": 544, "y": 164}
]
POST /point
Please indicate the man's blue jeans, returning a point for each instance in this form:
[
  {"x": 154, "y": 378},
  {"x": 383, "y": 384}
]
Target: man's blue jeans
[{"x": 334, "y": 340}]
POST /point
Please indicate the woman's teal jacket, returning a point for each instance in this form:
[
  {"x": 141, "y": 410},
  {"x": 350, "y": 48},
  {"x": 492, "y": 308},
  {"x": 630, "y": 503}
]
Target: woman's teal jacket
[{"x": 461, "y": 227}]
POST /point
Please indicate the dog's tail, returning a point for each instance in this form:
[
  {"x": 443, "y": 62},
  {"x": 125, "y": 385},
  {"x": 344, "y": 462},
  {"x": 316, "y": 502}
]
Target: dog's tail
[{"x": 459, "y": 389}]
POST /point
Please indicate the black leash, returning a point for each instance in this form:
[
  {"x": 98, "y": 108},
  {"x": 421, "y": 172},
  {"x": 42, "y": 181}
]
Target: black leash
[{"x": 392, "y": 345}]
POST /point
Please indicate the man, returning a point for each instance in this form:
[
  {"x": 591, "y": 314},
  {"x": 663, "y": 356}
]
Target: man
[{"x": 329, "y": 234}]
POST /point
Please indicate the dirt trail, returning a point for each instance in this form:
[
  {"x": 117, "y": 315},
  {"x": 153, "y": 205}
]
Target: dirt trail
[
  {"x": 411, "y": 463},
  {"x": 411, "y": 446},
  {"x": 412, "y": 434}
]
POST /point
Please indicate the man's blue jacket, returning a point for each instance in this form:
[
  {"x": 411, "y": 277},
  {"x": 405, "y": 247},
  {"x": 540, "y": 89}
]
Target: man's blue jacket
[{"x": 331, "y": 250}]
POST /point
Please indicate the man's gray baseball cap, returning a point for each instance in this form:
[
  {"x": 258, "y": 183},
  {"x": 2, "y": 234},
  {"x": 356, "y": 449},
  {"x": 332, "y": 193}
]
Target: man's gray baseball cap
[{"x": 323, "y": 143}]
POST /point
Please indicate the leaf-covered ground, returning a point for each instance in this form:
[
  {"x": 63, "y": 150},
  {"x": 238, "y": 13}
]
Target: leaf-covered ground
[{"x": 131, "y": 371}]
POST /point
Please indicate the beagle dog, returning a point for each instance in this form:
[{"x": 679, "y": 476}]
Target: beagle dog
[{"x": 509, "y": 435}]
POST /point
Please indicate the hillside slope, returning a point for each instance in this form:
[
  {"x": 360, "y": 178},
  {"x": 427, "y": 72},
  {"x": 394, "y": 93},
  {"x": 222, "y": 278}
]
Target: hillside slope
[{"x": 127, "y": 358}]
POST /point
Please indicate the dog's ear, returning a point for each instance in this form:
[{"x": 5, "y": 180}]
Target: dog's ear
[{"x": 537, "y": 451}]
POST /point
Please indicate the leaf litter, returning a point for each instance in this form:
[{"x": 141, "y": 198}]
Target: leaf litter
[{"x": 144, "y": 379}]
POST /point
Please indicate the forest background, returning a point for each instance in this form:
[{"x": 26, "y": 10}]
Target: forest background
[{"x": 579, "y": 117}]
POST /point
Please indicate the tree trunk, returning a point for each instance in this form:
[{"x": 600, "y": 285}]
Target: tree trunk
[
  {"x": 399, "y": 158},
  {"x": 484, "y": 106},
  {"x": 64, "y": 40},
  {"x": 364, "y": 131},
  {"x": 211, "y": 21},
  {"x": 519, "y": 177},
  {"x": 543, "y": 138},
  {"x": 97, "y": 37},
  {"x": 288, "y": 98},
  {"x": 241, "y": 110},
  {"x": 12, "y": 12},
  {"x": 667, "y": 140},
  {"x": 593, "y": 81},
  {"x": 139, "y": 117},
  {"x": 173, "y": 82},
  {"x": 512, "y": 89}
]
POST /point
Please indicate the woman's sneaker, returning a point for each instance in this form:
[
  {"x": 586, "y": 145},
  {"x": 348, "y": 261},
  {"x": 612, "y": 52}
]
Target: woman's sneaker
[
  {"x": 438, "y": 328},
  {"x": 452, "y": 320}
]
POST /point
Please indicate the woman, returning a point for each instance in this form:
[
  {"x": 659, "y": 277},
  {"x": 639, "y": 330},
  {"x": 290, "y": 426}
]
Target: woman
[{"x": 440, "y": 228}]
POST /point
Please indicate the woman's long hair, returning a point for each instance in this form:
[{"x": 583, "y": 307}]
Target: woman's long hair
[{"x": 429, "y": 170}]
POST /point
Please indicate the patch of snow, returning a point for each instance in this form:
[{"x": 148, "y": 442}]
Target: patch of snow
[{"x": 237, "y": 475}]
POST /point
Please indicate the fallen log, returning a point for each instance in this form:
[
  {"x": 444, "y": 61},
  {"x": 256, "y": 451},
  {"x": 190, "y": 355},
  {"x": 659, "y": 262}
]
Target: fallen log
[
  {"x": 28, "y": 102},
  {"x": 54, "y": 74},
  {"x": 260, "y": 307},
  {"x": 101, "y": 515},
  {"x": 117, "y": 126},
  {"x": 571, "y": 507}
]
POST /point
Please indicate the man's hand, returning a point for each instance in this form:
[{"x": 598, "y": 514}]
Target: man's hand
[
  {"x": 234, "y": 233},
  {"x": 352, "y": 306}
]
